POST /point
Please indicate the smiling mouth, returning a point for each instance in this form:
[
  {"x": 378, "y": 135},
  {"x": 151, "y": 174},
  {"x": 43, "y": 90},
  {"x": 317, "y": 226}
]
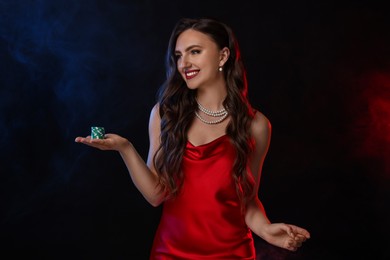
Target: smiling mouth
[{"x": 191, "y": 74}]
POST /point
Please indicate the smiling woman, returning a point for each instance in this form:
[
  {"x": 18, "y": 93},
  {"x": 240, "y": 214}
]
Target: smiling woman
[{"x": 207, "y": 148}]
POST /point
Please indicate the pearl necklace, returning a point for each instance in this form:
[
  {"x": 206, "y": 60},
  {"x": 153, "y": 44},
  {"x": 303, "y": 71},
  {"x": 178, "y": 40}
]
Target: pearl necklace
[
  {"x": 219, "y": 113},
  {"x": 222, "y": 114}
]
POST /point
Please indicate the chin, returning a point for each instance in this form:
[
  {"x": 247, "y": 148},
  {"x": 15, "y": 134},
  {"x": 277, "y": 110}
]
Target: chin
[{"x": 192, "y": 86}]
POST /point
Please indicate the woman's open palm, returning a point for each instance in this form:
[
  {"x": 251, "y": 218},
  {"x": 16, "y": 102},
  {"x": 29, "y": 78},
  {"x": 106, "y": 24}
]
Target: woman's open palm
[
  {"x": 110, "y": 142},
  {"x": 286, "y": 236}
]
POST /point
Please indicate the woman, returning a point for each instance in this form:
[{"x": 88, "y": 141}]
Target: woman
[{"x": 207, "y": 148}]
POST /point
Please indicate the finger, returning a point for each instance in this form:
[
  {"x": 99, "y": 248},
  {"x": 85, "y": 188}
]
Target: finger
[
  {"x": 300, "y": 237},
  {"x": 292, "y": 249},
  {"x": 285, "y": 228},
  {"x": 96, "y": 143},
  {"x": 295, "y": 245},
  {"x": 289, "y": 230},
  {"x": 80, "y": 139},
  {"x": 291, "y": 245},
  {"x": 300, "y": 231},
  {"x": 298, "y": 243}
]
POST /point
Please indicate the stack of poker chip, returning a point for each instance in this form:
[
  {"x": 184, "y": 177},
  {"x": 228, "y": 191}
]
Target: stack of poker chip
[{"x": 97, "y": 132}]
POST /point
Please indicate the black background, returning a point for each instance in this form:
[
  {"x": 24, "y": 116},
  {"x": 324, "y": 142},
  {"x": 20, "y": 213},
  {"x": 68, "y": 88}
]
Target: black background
[{"x": 319, "y": 70}]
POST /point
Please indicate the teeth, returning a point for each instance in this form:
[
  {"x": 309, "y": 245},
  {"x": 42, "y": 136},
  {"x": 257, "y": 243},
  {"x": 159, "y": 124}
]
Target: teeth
[{"x": 191, "y": 73}]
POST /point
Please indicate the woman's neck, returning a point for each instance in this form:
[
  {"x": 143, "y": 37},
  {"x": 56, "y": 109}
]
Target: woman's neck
[{"x": 212, "y": 98}]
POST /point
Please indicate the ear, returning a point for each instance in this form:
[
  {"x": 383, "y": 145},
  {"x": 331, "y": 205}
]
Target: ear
[{"x": 224, "y": 56}]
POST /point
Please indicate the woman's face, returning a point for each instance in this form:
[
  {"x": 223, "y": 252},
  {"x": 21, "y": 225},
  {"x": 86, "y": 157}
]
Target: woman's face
[{"x": 198, "y": 58}]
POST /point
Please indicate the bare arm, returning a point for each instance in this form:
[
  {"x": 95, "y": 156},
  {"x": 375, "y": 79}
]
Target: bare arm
[
  {"x": 279, "y": 234},
  {"x": 143, "y": 175},
  {"x": 255, "y": 216}
]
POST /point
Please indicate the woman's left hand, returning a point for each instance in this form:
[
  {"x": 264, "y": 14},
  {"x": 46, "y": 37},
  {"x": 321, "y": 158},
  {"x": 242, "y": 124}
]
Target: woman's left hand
[{"x": 286, "y": 236}]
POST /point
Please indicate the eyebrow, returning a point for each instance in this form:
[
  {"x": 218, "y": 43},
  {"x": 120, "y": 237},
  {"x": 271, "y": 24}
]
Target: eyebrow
[{"x": 189, "y": 48}]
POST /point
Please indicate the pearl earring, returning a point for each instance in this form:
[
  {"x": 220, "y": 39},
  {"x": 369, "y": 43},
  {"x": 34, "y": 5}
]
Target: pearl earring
[{"x": 220, "y": 68}]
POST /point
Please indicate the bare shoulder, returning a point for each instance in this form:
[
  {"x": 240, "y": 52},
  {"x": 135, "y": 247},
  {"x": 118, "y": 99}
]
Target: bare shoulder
[
  {"x": 260, "y": 127},
  {"x": 261, "y": 133},
  {"x": 155, "y": 110},
  {"x": 155, "y": 114},
  {"x": 154, "y": 120}
]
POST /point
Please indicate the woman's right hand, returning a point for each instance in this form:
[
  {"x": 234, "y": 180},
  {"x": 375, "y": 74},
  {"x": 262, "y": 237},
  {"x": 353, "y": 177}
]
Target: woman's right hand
[{"x": 110, "y": 142}]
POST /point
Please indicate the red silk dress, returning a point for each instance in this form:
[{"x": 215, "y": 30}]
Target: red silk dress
[{"x": 205, "y": 220}]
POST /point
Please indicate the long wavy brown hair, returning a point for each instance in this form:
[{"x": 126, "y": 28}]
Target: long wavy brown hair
[{"x": 177, "y": 105}]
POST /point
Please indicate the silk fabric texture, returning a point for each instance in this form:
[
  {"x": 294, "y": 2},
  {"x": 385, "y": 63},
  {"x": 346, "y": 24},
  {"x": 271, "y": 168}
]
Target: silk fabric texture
[{"x": 205, "y": 220}]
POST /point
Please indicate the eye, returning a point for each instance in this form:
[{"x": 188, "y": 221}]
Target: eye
[
  {"x": 195, "y": 51},
  {"x": 177, "y": 56}
]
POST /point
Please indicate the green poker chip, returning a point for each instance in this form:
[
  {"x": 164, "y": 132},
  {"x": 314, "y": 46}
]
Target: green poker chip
[{"x": 97, "y": 132}]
